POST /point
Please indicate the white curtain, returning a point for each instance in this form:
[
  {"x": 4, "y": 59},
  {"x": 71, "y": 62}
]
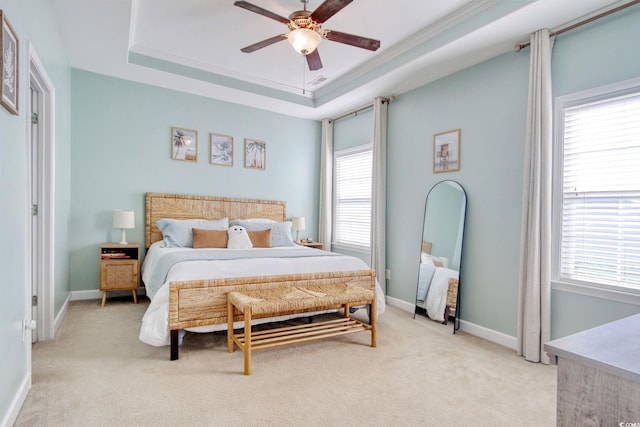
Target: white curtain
[
  {"x": 326, "y": 184},
  {"x": 534, "y": 315},
  {"x": 379, "y": 192}
]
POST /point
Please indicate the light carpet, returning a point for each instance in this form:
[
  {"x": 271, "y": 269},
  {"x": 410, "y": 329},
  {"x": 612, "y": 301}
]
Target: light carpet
[{"x": 97, "y": 373}]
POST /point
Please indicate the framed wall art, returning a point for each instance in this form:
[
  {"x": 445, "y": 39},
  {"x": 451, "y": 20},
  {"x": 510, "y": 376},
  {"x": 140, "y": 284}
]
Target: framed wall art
[
  {"x": 221, "y": 149},
  {"x": 184, "y": 144},
  {"x": 446, "y": 151},
  {"x": 9, "y": 88},
  {"x": 255, "y": 154}
]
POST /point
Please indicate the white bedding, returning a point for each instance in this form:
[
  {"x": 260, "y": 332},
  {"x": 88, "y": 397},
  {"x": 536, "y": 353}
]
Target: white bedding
[
  {"x": 437, "y": 295},
  {"x": 155, "y": 323}
]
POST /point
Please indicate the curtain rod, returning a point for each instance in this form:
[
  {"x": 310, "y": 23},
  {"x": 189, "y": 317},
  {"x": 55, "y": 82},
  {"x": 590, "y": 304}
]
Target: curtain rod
[
  {"x": 521, "y": 46},
  {"x": 363, "y": 108}
]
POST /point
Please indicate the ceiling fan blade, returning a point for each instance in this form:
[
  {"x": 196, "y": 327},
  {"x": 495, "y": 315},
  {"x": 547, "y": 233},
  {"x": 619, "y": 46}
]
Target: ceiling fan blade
[
  {"x": 261, "y": 11},
  {"x": 350, "y": 39},
  {"x": 264, "y": 43},
  {"x": 313, "y": 60},
  {"x": 327, "y": 9}
]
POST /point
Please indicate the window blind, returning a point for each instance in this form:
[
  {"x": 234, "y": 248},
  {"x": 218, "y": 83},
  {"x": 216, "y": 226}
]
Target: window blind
[
  {"x": 353, "y": 180},
  {"x": 601, "y": 192}
]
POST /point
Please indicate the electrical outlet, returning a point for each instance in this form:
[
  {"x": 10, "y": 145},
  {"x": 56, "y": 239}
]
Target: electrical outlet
[{"x": 388, "y": 274}]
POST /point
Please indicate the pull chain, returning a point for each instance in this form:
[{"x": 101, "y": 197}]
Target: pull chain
[{"x": 304, "y": 84}]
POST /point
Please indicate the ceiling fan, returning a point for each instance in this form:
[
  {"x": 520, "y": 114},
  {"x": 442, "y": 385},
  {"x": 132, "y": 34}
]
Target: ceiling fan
[{"x": 305, "y": 31}]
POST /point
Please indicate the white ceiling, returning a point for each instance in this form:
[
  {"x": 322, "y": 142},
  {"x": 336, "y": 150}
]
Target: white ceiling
[{"x": 194, "y": 45}]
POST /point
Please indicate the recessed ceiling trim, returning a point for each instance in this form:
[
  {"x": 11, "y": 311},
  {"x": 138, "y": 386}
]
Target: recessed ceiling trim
[
  {"x": 218, "y": 79},
  {"x": 463, "y": 21},
  {"x": 211, "y": 68}
]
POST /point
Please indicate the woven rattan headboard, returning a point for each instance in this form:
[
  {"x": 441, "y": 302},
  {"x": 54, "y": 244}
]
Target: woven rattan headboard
[{"x": 182, "y": 206}]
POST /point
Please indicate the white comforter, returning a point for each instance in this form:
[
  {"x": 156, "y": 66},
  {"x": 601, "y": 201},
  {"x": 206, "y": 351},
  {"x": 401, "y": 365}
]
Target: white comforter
[
  {"x": 436, "y": 300},
  {"x": 155, "y": 323}
]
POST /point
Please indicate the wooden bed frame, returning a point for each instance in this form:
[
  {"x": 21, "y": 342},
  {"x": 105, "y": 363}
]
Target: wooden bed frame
[{"x": 196, "y": 303}]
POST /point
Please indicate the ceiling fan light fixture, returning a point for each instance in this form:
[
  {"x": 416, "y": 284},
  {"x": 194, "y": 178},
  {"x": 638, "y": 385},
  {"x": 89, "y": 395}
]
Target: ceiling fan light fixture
[{"x": 304, "y": 40}]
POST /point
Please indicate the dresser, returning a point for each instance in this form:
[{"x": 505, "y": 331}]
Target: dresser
[{"x": 599, "y": 375}]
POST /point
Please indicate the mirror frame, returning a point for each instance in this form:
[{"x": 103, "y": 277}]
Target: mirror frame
[{"x": 463, "y": 220}]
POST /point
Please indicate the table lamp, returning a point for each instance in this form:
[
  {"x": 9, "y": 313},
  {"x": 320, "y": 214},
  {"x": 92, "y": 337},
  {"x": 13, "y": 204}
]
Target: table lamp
[
  {"x": 123, "y": 220},
  {"x": 297, "y": 225}
]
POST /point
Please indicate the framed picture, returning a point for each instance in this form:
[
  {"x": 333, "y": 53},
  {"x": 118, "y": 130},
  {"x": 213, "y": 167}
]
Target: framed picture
[
  {"x": 184, "y": 144},
  {"x": 9, "y": 61},
  {"x": 446, "y": 151},
  {"x": 255, "y": 154},
  {"x": 221, "y": 149}
]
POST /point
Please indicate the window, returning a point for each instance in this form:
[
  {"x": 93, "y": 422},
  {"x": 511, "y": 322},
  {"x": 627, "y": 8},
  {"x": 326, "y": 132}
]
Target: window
[
  {"x": 597, "y": 202},
  {"x": 352, "y": 204}
]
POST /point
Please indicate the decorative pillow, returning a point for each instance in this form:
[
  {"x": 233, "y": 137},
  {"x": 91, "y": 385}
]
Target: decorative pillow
[
  {"x": 177, "y": 233},
  {"x": 210, "y": 238},
  {"x": 280, "y": 231},
  {"x": 261, "y": 238},
  {"x": 238, "y": 238}
]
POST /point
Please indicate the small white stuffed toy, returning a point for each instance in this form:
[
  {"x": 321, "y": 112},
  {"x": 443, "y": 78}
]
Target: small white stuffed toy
[{"x": 238, "y": 238}]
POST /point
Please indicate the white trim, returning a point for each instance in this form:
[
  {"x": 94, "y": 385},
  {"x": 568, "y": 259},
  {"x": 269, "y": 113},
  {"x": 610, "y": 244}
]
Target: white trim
[
  {"x": 13, "y": 411},
  {"x": 38, "y": 75},
  {"x": 466, "y": 327},
  {"x": 489, "y": 334},
  {"x": 402, "y": 305},
  {"x": 598, "y": 291},
  {"x": 62, "y": 314},
  {"x": 97, "y": 294}
]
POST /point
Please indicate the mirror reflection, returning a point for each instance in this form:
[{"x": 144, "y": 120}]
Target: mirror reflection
[{"x": 437, "y": 295}]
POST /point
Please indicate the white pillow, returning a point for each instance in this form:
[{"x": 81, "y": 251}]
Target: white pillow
[
  {"x": 238, "y": 238},
  {"x": 425, "y": 258},
  {"x": 177, "y": 233}
]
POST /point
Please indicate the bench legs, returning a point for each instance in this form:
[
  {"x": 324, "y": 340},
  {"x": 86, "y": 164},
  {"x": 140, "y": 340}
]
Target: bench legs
[{"x": 288, "y": 335}]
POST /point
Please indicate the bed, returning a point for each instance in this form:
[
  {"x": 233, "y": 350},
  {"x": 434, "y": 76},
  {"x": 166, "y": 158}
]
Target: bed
[
  {"x": 437, "y": 285},
  {"x": 187, "y": 286}
]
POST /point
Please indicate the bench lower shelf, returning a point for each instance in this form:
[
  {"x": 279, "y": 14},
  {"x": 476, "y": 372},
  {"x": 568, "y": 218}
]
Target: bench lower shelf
[
  {"x": 295, "y": 334},
  {"x": 268, "y": 338}
]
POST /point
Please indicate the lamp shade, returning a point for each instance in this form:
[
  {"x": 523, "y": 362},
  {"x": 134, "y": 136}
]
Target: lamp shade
[
  {"x": 304, "y": 40},
  {"x": 297, "y": 223},
  {"x": 123, "y": 219}
]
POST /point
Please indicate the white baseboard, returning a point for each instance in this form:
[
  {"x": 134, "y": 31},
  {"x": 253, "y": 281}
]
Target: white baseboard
[
  {"x": 97, "y": 294},
  {"x": 402, "y": 305},
  {"x": 488, "y": 334},
  {"x": 12, "y": 413},
  {"x": 83, "y": 295},
  {"x": 57, "y": 322},
  {"x": 466, "y": 327}
]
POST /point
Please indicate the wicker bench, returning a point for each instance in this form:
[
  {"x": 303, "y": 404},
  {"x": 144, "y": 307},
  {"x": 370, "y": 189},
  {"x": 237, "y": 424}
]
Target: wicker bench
[{"x": 296, "y": 299}]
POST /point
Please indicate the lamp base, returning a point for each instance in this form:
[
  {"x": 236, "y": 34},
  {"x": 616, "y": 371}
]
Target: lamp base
[{"x": 123, "y": 238}]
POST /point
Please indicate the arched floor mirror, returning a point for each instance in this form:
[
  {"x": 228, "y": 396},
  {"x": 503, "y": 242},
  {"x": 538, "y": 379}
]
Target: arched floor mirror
[{"x": 437, "y": 295}]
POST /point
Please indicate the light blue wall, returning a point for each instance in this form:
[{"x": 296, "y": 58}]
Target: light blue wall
[
  {"x": 488, "y": 102},
  {"x": 121, "y": 149},
  {"x": 39, "y": 29}
]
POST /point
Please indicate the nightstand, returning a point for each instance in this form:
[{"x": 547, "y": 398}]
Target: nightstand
[
  {"x": 119, "y": 268},
  {"x": 315, "y": 245}
]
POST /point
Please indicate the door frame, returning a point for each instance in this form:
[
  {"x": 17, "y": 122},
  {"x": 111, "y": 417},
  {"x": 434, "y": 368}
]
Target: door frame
[{"x": 44, "y": 269}]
